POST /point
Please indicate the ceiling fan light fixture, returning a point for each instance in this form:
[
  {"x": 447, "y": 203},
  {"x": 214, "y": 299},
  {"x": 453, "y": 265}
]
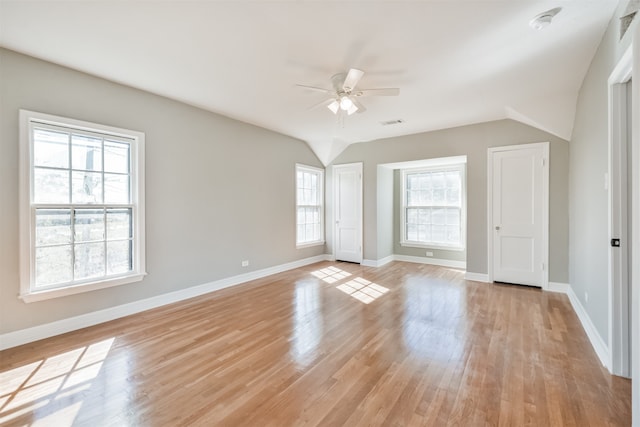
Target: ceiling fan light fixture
[
  {"x": 352, "y": 109},
  {"x": 346, "y": 103},
  {"x": 334, "y": 106}
]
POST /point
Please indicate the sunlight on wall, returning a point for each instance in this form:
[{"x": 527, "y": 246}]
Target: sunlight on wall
[{"x": 52, "y": 385}]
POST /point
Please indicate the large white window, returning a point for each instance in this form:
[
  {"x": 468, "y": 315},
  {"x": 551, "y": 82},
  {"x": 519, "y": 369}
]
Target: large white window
[
  {"x": 433, "y": 213},
  {"x": 82, "y": 206},
  {"x": 309, "y": 205}
]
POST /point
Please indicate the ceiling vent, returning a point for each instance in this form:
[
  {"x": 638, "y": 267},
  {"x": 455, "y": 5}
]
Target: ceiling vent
[{"x": 392, "y": 122}]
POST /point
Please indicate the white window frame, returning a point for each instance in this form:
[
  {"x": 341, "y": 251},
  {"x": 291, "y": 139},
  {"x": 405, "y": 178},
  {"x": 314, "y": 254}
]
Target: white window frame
[
  {"x": 320, "y": 172},
  {"x": 28, "y": 292},
  {"x": 461, "y": 167}
]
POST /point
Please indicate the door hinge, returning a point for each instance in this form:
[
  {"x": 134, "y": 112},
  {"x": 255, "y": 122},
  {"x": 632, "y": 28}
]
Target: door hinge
[
  {"x": 544, "y": 162},
  {"x": 543, "y": 266}
]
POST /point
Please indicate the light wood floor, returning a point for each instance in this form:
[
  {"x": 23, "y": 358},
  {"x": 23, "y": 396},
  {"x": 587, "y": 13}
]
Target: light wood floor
[{"x": 329, "y": 344}]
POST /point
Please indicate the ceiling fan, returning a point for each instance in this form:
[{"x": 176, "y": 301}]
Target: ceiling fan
[{"x": 344, "y": 95}]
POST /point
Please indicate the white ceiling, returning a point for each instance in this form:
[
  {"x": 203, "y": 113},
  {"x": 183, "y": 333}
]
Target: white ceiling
[{"x": 455, "y": 62}]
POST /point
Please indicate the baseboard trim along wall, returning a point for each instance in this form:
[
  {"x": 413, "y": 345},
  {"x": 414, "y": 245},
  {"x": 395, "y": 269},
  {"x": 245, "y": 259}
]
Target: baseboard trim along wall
[
  {"x": 24, "y": 336},
  {"x": 598, "y": 344},
  {"x": 477, "y": 277},
  {"x": 414, "y": 259},
  {"x": 562, "y": 288}
]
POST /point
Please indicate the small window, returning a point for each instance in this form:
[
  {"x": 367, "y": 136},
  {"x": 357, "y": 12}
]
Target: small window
[
  {"x": 309, "y": 206},
  {"x": 433, "y": 213},
  {"x": 82, "y": 202}
]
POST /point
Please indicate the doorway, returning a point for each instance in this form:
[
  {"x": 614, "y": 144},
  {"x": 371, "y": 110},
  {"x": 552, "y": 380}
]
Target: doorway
[{"x": 518, "y": 198}]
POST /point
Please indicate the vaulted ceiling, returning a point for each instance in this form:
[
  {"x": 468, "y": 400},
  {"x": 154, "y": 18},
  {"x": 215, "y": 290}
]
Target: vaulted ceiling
[{"x": 455, "y": 62}]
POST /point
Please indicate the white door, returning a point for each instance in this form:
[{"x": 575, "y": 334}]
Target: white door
[
  {"x": 519, "y": 213},
  {"x": 348, "y": 212}
]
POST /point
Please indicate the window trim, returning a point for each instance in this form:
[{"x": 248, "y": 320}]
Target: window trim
[
  {"x": 313, "y": 169},
  {"x": 462, "y": 168},
  {"x": 27, "y": 212}
]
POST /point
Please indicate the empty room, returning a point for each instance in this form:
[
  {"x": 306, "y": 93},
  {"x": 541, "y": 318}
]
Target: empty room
[{"x": 333, "y": 213}]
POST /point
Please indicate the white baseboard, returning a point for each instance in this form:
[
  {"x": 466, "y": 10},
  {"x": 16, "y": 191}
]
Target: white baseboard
[
  {"x": 477, "y": 277},
  {"x": 598, "y": 344},
  {"x": 562, "y": 288},
  {"x": 378, "y": 262},
  {"x": 431, "y": 261},
  {"x": 24, "y": 336}
]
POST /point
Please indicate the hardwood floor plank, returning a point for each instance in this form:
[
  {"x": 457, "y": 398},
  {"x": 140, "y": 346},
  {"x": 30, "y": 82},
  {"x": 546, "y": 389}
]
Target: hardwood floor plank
[{"x": 329, "y": 344}]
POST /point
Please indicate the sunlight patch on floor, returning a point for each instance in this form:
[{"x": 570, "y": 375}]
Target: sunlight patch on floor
[
  {"x": 331, "y": 274},
  {"x": 52, "y": 381},
  {"x": 363, "y": 289}
]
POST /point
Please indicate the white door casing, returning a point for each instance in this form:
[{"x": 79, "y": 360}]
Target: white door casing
[
  {"x": 518, "y": 194},
  {"x": 619, "y": 200},
  {"x": 348, "y": 212}
]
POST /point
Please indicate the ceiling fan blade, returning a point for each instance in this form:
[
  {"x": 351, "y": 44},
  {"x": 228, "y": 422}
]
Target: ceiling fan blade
[
  {"x": 361, "y": 108},
  {"x": 321, "y": 103},
  {"x": 352, "y": 79},
  {"x": 317, "y": 89},
  {"x": 389, "y": 91}
]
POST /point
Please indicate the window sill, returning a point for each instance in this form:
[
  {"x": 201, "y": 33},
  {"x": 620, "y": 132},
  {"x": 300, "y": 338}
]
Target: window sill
[
  {"x": 81, "y": 288},
  {"x": 432, "y": 246},
  {"x": 309, "y": 245}
]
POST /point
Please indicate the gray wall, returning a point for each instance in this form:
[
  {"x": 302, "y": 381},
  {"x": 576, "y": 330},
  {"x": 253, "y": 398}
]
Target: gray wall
[
  {"x": 588, "y": 163},
  {"x": 473, "y": 142},
  {"x": 218, "y": 191}
]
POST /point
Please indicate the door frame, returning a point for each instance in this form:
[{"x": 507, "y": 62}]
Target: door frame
[
  {"x": 545, "y": 206},
  {"x": 618, "y": 204},
  {"x": 359, "y": 167}
]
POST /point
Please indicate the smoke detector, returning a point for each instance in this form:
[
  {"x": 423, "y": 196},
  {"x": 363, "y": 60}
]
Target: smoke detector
[{"x": 543, "y": 19}]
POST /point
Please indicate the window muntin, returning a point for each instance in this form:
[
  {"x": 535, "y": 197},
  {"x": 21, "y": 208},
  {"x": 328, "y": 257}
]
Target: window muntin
[
  {"x": 309, "y": 205},
  {"x": 83, "y": 195},
  {"x": 433, "y": 207}
]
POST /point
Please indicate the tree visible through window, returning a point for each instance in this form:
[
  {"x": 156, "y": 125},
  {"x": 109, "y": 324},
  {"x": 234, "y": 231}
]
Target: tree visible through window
[
  {"x": 84, "y": 200},
  {"x": 309, "y": 206}
]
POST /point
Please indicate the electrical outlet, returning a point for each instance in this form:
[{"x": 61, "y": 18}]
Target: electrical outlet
[
  {"x": 429, "y": 253},
  {"x": 245, "y": 263}
]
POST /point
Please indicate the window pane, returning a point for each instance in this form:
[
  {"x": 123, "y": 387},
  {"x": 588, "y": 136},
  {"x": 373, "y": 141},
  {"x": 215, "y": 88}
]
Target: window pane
[
  {"x": 89, "y": 260},
  {"x": 453, "y": 234},
  {"x": 50, "y": 186},
  {"x": 453, "y": 197},
  {"x": 119, "y": 224},
  {"x": 438, "y": 196},
  {"x": 424, "y": 216},
  {"x": 53, "y": 226},
  {"x": 438, "y": 233},
  {"x": 437, "y": 180},
  {"x": 438, "y": 216},
  {"x": 300, "y": 219},
  {"x": 412, "y": 232},
  {"x": 53, "y": 265},
  {"x": 50, "y": 148},
  {"x": 86, "y": 153},
  {"x": 453, "y": 216},
  {"x": 89, "y": 225},
  {"x": 116, "y": 156},
  {"x": 301, "y": 236},
  {"x": 116, "y": 189},
  {"x": 412, "y": 216},
  {"x": 87, "y": 187},
  {"x": 119, "y": 257}
]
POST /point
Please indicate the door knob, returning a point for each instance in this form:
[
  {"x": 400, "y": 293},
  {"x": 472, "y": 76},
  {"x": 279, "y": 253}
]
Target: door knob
[{"x": 497, "y": 228}]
